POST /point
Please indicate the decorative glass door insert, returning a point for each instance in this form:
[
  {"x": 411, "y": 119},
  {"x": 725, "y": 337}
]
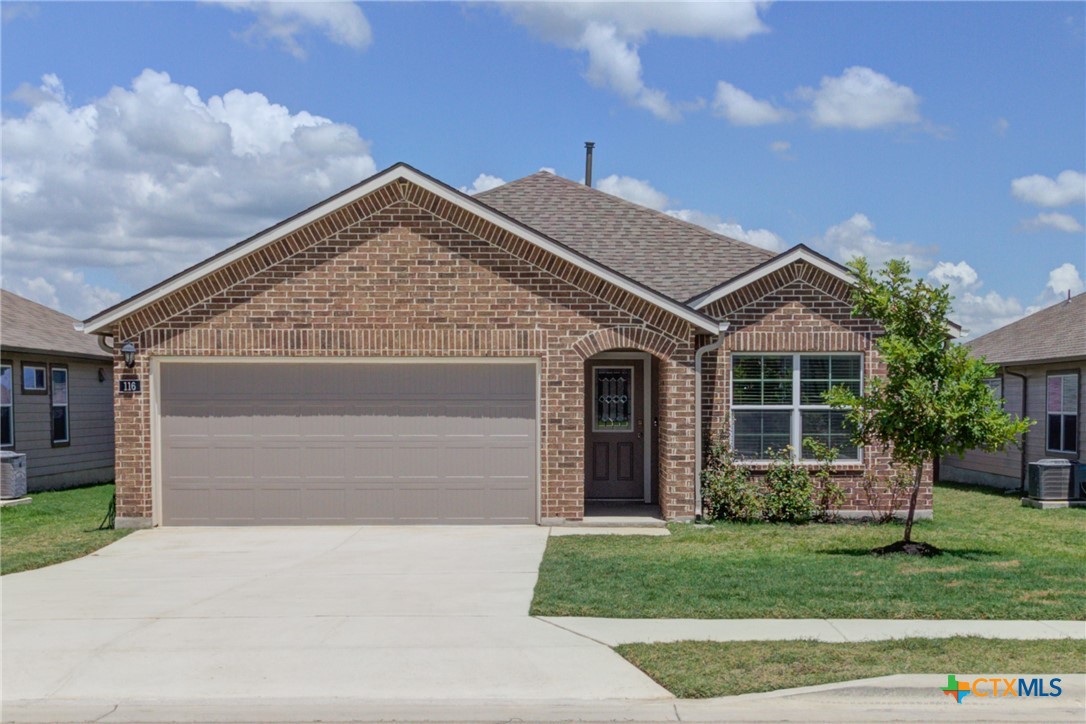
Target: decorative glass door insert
[{"x": 613, "y": 395}]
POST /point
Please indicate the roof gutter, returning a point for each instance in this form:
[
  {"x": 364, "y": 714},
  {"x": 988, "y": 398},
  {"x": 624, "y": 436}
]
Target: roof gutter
[{"x": 698, "y": 426}]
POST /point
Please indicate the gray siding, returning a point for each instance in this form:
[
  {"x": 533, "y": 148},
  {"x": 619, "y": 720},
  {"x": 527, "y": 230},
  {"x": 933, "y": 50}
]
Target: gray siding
[
  {"x": 88, "y": 458},
  {"x": 1004, "y": 469}
]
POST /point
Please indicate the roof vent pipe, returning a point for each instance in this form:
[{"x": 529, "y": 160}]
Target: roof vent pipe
[{"x": 588, "y": 146}]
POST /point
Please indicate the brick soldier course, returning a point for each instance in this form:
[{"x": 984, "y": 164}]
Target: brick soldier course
[{"x": 416, "y": 269}]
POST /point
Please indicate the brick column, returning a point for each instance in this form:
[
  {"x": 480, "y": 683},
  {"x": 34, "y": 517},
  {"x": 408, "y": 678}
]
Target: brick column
[
  {"x": 677, "y": 425},
  {"x": 132, "y": 429}
]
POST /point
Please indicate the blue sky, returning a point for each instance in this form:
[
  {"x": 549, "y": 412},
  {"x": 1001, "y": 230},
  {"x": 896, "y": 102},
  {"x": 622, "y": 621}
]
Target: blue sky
[{"x": 139, "y": 138}]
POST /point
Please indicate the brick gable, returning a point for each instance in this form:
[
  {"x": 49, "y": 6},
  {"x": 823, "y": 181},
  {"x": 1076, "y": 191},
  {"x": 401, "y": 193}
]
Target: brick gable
[
  {"x": 407, "y": 281},
  {"x": 796, "y": 309}
]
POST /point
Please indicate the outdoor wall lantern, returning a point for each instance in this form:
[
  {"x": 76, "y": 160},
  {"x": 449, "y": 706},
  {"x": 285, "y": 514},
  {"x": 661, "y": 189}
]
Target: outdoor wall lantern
[{"x": 129, "y": 352}]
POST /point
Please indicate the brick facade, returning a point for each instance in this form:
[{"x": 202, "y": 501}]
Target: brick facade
[
  {"x": 799, "y": 308},
  {"x": 404, "y": 273}
]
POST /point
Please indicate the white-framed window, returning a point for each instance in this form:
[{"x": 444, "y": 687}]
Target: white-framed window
[
  {"x": 34, "y": 378},
  {"x": 58, "y": 402},
  {"x": 7, "y": 409},
  {"x": 995, "y": 386},
  {"x": 1061, "y": 406},
  {"x": 777, "y": 402}
]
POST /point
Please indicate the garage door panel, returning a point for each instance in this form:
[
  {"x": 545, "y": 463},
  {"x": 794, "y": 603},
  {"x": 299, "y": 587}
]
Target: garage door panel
[
  {"x": 236, "y": 500},
  {"x": 277, "y": 505},
  {"x": 323, "y": 462},
  {"x": 231, "y": 462},
  {"x": 370, "y": 460},
  {"x": 275, "y": 443}
]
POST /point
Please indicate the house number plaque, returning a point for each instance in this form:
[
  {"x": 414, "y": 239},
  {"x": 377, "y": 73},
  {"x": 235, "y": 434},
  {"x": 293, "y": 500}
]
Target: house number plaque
[{"x": 129, "y": 386}]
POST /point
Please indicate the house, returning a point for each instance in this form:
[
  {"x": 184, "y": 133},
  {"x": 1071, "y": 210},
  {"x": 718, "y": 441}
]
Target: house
[
  {"x": 1041, "y": 361},
  {"x": 56, "y": 396},
  {"x": 404, "y": 352}
]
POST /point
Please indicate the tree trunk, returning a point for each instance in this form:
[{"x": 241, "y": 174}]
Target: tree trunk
[{"x": 912, "y": 502}]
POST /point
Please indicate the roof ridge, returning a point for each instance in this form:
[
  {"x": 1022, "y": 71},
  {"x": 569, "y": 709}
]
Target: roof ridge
[{"x": 640, "y": 207}]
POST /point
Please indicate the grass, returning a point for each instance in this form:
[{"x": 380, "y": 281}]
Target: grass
[
  {"x": 700, "y": 669},
  {"x": 1000, "y": 561},
  {"x": 58, "y": 526}
]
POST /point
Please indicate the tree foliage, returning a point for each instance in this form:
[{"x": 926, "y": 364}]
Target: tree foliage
[{"x": 933, "y": 399}]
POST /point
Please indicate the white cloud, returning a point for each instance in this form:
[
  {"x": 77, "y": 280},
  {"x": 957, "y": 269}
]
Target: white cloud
[
  {"x": 282, "y": 22},
  {"x": 1053, "y": 220},
  {"x": 68, "y": 292},
  {"x": 18, "y": 10},
  {"x": 980, "y": 311},
  {"x": 1065, "y": 278},
  {"x": 743, "y": 109},
  {"x": 959, "y": 275},
  {"x": 861, "y": 98},
  {"x": 855, "y": 237},
  {"x": 548, "y": 169},
  {"x": 38, "y": 290},
  {"x": 783, "y": 150},
  {"x": 612, "y": 32},
  {"x": 1067, "y": 188},
  {"x": 139, "y": 183},
  {"x": 977, "y": 311},
  {"x": 1001, "y": 126},
  {"x": 483, "y": 182},
  {"x": 635, "y": 190},
  {"x": 643, "y": 193},
  {"x": 758, "y": 237},
  {"x": 615, "y": 64},
  {"x": 560, "y": 22}
]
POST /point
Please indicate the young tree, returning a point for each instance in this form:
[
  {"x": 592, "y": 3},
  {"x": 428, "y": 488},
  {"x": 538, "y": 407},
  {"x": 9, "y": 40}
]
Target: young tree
[{"x": 933, "y": 400}]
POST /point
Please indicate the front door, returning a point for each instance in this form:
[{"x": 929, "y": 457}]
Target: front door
[{"x": 614, "y": 430}]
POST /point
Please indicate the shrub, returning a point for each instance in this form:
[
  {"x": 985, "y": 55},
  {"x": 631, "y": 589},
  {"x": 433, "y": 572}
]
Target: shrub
[
  {"x": 726, "y": 488},
  {"x": 828, "y": 495},
  {"x": 788, "y": 490}
]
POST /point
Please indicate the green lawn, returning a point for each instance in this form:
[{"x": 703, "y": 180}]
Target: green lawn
[
  {"x": 57, "y": 526},
  {"x": 700, "y": 669},
  {"x": 1000, "y": 561}
]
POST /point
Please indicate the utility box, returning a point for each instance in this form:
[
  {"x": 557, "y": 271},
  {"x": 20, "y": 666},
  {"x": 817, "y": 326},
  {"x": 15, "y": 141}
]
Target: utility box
[
  {"x": 12, "y": 475},
  {"x": 1052, "y": 479}
]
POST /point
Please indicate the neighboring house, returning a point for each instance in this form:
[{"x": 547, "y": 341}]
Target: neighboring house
[
  {"x": 56, "y": 396},
  {"x": 1041, "y": 375},
  {"x": 403, "y": 352}
]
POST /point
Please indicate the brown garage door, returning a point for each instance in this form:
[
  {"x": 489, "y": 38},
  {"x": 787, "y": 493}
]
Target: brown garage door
[{"x": 323, "y": 443}]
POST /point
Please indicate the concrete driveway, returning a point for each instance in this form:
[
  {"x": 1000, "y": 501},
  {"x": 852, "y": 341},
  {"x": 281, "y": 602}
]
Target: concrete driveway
[{"x": 370, "y": 613}]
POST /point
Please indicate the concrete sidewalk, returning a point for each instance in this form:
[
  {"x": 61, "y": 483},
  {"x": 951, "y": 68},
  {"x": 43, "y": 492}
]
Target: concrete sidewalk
[
  {"x": 888, "y": 698},
  {"x": 615, "y": 631}
]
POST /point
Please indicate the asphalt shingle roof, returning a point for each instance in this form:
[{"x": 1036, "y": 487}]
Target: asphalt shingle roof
[
  {"x": 27, "y": 326},
  {"x": 1054, "y": 333},
  {"x": 674, "y": 257}
]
